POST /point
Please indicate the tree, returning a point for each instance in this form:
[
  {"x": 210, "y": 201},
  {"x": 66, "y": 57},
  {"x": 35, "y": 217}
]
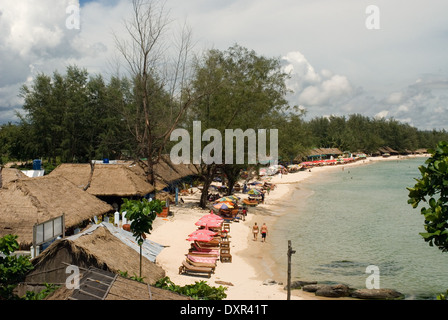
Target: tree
[
  {"x": 242, "y": 91},
  {"x": 142, "y": 214},
  {"x": 161, "y": 85},
  {"x": 12, "y": 268},
  {"x": 432, "y": 188},
  {"x": 72, "y": 117}
]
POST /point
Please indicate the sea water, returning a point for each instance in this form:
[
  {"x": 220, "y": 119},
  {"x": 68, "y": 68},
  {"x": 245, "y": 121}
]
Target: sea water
[{"x": 343, "y": 221}]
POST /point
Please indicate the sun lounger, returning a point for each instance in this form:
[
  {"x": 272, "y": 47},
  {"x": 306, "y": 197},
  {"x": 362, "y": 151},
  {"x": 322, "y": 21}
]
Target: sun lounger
[
  {"x": 202, "y": 258},
  {"x": 198, "y": 247},
  {"x": 214, "y": 253},
  {"x": 188, "y": 268},
  {"x": 250, "y": 202},
  {"x": 205, "y": 245},
  {"x": 202, "y": 264}
]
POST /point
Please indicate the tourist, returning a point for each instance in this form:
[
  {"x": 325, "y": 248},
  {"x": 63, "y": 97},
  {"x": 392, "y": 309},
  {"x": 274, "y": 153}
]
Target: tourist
[
  {"x": 255, "y": 231},
  {"x": 264, "y": 231}
]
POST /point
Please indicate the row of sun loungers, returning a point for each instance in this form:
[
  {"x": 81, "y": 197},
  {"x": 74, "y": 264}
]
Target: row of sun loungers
[{"x": 202, "y": 257}]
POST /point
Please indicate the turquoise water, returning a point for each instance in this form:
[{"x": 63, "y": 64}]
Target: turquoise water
[{"x": 349, "y": 219}]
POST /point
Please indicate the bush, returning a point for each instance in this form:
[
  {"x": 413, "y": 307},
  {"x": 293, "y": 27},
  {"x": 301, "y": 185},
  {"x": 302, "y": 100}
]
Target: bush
[{"x": 200, "y": 290}]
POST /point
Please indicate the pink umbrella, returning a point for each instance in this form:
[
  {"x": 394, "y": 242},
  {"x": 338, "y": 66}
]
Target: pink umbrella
[
  {"x": 204, "y": 231},
  {"x": 212, "y": 216},
  {"x": 200, "y": 236},
  {"x": 211, "y": 223}
]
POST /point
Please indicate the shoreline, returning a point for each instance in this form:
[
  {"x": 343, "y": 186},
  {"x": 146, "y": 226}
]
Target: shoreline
[{"x": 253, "y": 262}]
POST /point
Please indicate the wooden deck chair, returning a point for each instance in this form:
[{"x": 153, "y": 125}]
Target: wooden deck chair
[
  {"x": 188, "y": 268},
  {"x": 201, "y": 264},
  {"x": 199, "y": 247}
]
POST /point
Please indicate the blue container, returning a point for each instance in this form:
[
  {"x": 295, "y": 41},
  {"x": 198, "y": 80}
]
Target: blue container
[
  {"x": 105, "y": 160},
  {"x": 37, "y": 164}
]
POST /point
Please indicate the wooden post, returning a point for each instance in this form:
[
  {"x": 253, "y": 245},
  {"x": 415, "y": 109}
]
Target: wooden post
[{"x": 290, "y": 252}]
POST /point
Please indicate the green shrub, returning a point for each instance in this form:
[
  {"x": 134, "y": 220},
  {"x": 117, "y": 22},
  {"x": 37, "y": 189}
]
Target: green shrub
[{"x": 200, "y": 290}]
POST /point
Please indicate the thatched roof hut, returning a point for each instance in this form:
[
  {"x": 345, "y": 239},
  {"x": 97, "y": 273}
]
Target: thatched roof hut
[
  {"x": 120, "y": 289},
  {"x": 107, "y": 179},
  {"x": 100, "y": 249},
  {"x": 10, "y": 174},
  {"x": 166, "y": 172},
  {"x": 25, "y": 202}
]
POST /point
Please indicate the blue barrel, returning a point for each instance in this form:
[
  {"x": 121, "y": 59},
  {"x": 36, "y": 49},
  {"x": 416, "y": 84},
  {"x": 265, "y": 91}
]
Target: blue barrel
[
  {"x": 105, "y": 160},
  {"x": 37, "y": 164}
]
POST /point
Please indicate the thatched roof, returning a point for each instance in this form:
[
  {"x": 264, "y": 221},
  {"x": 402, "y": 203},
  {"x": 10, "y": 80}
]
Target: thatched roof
[
  {"x": 166, "y": 171},
  {"x": 28, "y": 201},
  {"x": 324, "y": 151},
  {"x": 107, "y": 180},
  {"x": 11, "y": 174},
  {"x": 120, "y": 289},
  {"x": 99, "y": 249},
  {"x": 387, "y": 150}
]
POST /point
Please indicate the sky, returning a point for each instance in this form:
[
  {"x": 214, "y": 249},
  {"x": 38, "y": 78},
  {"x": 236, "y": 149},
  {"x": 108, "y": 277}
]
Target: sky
[{"x": 343, "y": 57}]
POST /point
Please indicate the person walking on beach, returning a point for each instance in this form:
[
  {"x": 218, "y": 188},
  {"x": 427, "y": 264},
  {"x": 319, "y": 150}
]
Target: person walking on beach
[
  {"x": 255, "y": 231},
  {"x": 264, "y": 232}
]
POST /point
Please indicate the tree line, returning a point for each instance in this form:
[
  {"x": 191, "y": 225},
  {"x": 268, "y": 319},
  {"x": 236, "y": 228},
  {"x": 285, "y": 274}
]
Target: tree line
[{"x": 77, "y": 117}]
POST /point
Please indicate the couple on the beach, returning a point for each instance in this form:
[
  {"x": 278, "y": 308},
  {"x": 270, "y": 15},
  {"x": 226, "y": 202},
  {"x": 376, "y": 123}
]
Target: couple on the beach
[{"x": 264, "y": 231}]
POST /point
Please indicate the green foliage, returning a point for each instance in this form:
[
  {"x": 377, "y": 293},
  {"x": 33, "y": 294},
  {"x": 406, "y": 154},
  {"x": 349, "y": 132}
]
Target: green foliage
[
  {"x": 432, "y": 189},
  {"x": 49, "y": 288},
  {"x": 134, "y": 277},
  {"x": 142, "y": 214},
  {"x": 200, "y": 290},
  {"x": 12, "y": 268},
  {"x": 443, "y": 296},
  {"x": 72, "y": 117}
]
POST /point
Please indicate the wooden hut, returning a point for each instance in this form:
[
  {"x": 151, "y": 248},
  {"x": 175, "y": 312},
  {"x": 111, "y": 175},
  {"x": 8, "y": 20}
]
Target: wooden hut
[
  {"x": 26, "y": 202},
  {"x": 98, "y": 248}
]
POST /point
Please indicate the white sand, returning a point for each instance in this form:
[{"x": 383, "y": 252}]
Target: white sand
[{"x": 251, "y": 263}]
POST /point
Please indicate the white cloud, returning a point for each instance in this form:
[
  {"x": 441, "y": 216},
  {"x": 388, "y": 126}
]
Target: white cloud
[
  {"x": 394, "y": 98},
  {"x": 382, "y": 114},
  {"x": 337, "y": 65},
  {"x": 312, "y": 88}
]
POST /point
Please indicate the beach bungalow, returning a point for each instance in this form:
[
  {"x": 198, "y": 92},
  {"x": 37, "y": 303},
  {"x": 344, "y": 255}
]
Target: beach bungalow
[
  {"x": 25, "y": 202},
  {"x": 108, "y": 182},
  {"x": 101, "y": 246},
  {"x": 320, "y": 154},
  {"x": 387, "y": 151},
  {"x": 174, "y": 174},
  {"x": 97, "y": 284}
]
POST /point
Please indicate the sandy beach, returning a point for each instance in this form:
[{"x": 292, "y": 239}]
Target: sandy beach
[{"x": 252, "y": 263}]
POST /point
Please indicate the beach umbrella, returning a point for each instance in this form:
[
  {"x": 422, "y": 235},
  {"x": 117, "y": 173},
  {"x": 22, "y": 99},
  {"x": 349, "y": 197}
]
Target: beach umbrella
[
  {"x": 225, "y": 199},
  {"x": 210, "y": 223},
  {"x": 211, "y": 216},
  {"x": 223, "y": 205},
  {"x": 203, "y": 231},
  {"x": 254, "y": 192},
  {"x": 200, "y": 237}
]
